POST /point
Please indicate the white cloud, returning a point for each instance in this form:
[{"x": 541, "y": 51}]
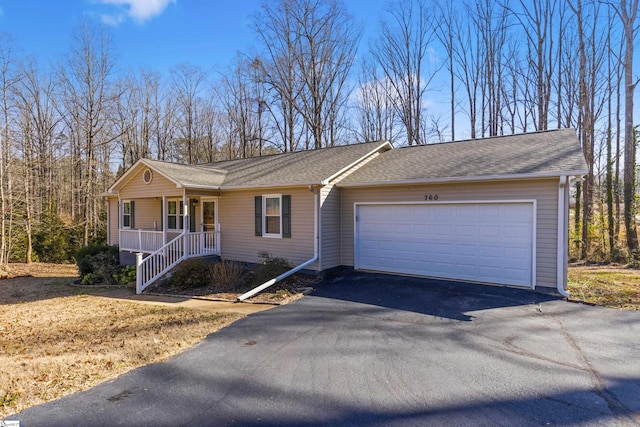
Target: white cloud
[
  {"x": 138, "y": 10},
  {"x": 113, "y": 20}
]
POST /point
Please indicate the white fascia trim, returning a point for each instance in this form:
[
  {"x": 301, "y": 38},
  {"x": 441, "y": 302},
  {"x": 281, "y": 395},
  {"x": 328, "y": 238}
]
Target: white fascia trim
[
  {"x": 200, "y": 187},
  {"x": 262, "y": 186},
  {"x": 386, "y": 144},
  {"x": 465, "y": 179}
]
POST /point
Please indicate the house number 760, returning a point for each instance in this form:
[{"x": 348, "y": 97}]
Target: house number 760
[{"x": 431, "y": 197}]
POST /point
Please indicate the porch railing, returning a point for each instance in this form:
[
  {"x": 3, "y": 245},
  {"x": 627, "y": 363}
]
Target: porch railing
[
  {"x": 202, "y": 243},
  {"x": 141, "y": 240},
  {"x": 160, "y": 262}
]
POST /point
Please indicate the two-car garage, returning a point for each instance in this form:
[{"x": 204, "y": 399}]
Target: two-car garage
[
  {"x": 484, "y": 241},
  {"x": 494, "y": 210}
]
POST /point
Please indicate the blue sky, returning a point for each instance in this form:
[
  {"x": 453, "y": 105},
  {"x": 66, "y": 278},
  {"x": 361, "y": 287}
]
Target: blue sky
[
  {"x": 157, "y": 35},
  {"x": 151, "y": 34}
]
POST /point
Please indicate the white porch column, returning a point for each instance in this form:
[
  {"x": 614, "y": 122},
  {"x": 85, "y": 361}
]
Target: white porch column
[
  {"x": 185, "y": 223},
  {"x": 139, "y": 281},
  {"x": 119, "y": 220},
  {"x": 217, "y": 236},
  {"x": 164, "y": 220}
]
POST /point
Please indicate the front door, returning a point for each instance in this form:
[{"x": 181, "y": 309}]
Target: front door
[
  {"x": 209, "y": 224},
  {"x": 209, "y": 215}
]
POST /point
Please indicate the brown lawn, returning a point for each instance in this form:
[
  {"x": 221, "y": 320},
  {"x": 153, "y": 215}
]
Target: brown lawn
[
  {"x": 56, "y": 339},
  {"x": 609, "y": 286}
]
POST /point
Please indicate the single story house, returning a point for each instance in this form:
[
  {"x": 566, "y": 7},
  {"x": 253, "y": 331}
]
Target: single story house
[{"x": 492, "y": 210}]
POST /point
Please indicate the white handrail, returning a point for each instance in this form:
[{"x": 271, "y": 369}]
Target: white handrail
[{"x": 158, "y": 263}]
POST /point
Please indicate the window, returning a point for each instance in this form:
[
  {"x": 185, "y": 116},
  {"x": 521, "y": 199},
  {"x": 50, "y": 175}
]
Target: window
[
  {"x": 273, "y": 215},
  {"x": 175, "y": 214},
  {"x": 147, "y": 176},
  {"x": 127, "y": 212}
]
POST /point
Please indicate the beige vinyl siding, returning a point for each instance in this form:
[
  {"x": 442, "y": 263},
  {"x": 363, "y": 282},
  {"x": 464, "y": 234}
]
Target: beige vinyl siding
[
  {"x": 114, "y": 220},
  {"x": 159, "y": 185},
  {"x": 237, "y": 231},
  {"x": 545, "y": 192},
  {"x": 330, "y": 247},
  {"x": 330, "y": 225},
  {"x": 148, "y": 214}
]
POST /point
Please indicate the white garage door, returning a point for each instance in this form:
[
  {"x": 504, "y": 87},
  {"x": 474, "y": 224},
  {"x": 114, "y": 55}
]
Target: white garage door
[{"x": 484, "y": 242}]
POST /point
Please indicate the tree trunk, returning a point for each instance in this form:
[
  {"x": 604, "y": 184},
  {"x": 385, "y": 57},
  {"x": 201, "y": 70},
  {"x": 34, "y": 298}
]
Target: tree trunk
[{"x": 629, "y": 133}]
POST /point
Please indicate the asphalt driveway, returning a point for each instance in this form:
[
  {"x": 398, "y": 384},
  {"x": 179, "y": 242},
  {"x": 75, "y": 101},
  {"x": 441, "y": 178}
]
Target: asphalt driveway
[{"x": 385, "y": 350}]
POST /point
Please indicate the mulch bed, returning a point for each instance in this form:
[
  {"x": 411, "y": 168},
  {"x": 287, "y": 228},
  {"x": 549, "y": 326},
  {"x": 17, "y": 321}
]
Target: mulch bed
[{"x": 283, "y": 292}]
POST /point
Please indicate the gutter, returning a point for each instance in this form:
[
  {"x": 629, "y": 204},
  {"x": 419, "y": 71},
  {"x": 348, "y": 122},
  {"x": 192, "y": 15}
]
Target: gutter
[
  {"x": 270, "y": 185},
  {"x": 316, "y": 237},
  {"x": 563, "y": 230},
  {"x": 508, "y": 177}
]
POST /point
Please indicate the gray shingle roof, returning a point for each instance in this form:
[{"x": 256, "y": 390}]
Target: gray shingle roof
[
  {"x": 545, "y": 153},
  {"x": 189, "y": 175},
  {"x": 297, "y": 168},
  {"x": 302, "y": 167}
]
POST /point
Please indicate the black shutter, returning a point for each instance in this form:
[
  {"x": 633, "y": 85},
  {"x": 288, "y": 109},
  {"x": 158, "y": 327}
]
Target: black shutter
[
  {"x": 132, "y": 221},
  {"x": 286, "y": 216},
  {"x": 258, "y": 219}
]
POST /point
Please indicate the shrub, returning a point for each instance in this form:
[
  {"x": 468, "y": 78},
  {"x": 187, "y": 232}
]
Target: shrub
[
  {"x": 100, "y": 264},
  {"x": 126, "y": 275},
  {"x": 86, "y": 257},
  {"x": 192, "y": 273},
  {"x": 101, "y": 267},
  {"x": 271, "y": 268},
  {"x": 228, "y": 275}
]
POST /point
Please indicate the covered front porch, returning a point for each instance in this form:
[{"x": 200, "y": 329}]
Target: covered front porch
[
  {"x": 164, "y": 230},
  {"x": 147, "y": 224}
]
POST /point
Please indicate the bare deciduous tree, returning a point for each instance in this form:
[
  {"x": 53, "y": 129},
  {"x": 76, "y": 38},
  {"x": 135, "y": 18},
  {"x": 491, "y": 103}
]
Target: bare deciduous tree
[
  {"x": 628, "y": 12},
  {"x": 8, "y": 80},
  {"x": 89, "y": 99},
  {"x": 188, "y": 83},
  {"x": 376, "y": 111},
  {"x": 403, "y": 52}
]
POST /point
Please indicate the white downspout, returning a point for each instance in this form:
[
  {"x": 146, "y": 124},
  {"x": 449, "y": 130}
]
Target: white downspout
[
  {"x": 563, "y": 229},
  {"x": 316, "y": 238}
]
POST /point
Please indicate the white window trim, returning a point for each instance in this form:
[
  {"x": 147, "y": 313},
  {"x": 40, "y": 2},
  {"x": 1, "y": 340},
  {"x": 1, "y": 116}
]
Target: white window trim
[
  {"x": 179, "y": 217},
  {"x": 264, "y": 215},
  {"x": 122, "y": 214}
]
